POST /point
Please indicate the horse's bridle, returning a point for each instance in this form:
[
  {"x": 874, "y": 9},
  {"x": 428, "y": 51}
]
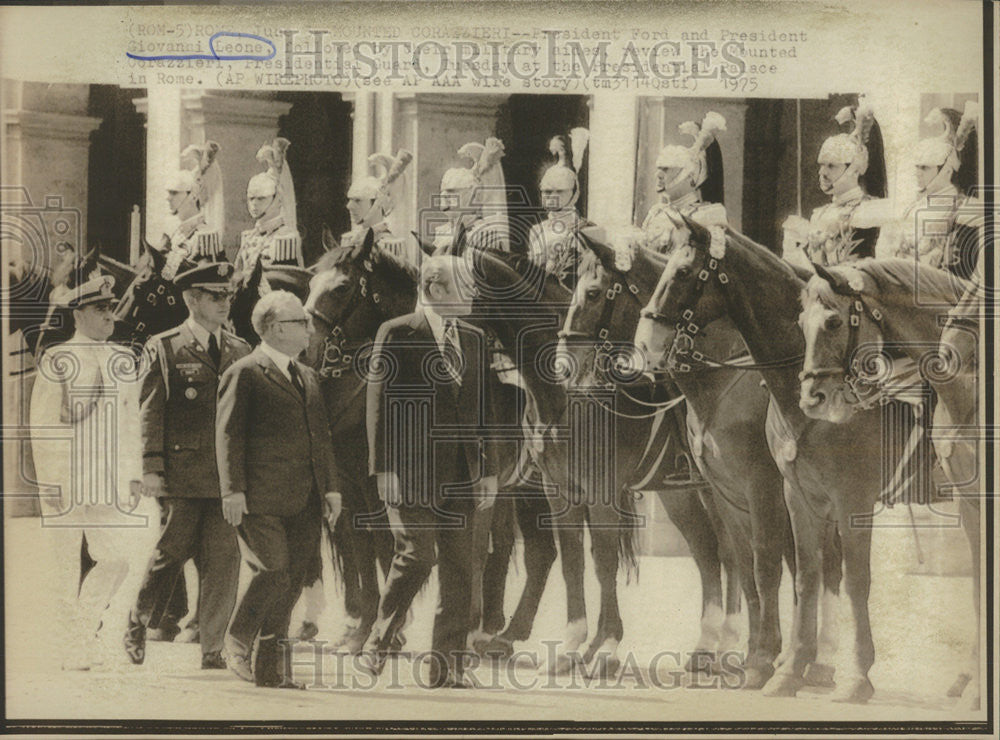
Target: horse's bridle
[
  {"x": 686, "y": 330},
  {"x": 335, "y": 360},
  {"x": 850, "y": 365}
]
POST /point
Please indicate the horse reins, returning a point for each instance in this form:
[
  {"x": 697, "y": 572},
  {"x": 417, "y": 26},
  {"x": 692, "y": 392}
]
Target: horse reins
[
  {"x": 851, "y": 364},
  {"x": 685, "y": 333},
  {"x": 333, "y": 343}
]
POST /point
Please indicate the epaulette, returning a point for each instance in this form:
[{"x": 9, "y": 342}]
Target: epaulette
[
  {"x": 710, "y": 214},
  {"x": 287, "y": 247},
  {"x": 234, "y": 336},
  {"x": 207, "y": 245}
]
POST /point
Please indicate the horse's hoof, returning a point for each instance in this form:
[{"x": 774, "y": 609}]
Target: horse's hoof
[
  {"x": 700, "y": 661},
  {"x": 756, "y": 676},
  {"x": 727, "y": 663},
  {"x": 855, "y": 691},
  {"x": 563, "y": 665},
  {"x": 819, "y": 675},
  {"x": 958, "y": 687},
  {"x": 603, "y": 666},
  {"x": 498, "y": 648},
  {"x": 782, "y": 684}
]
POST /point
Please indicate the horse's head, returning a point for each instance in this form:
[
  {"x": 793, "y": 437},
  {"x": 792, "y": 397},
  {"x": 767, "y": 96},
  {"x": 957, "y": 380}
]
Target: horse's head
[
  {"x": 687, "y": 296},
  {"x": 151, "y": 303},
  {"x": 247, "y": 292},
  {"x": 354, "y": 289},
  {"x": 613, "y": 283},
  {"x": 843, "y": 342}
]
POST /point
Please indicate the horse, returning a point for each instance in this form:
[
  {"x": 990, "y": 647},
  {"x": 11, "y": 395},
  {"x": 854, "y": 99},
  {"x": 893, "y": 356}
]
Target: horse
[
  {"x": 850, "y": 316},
  {"x": 525, "y": 308},
  {"x": 726, "y": 408},
  {"x": 831, "y": 471}
]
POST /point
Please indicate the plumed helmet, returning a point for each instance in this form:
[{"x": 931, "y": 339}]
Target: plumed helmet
[
  {"x": 860, "y": 149},
  {"x": 702, "y": 161},
  {"x": 569, "y": 152},
  {"x": 953, "y": 150},
  {"x": 276, "y": 178}
]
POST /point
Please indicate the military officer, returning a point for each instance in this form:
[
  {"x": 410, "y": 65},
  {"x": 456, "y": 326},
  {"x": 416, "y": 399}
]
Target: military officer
[
  {"x": 370, "y": 202},
  {"x": 475, "y": 201},
  {"x": 194, "y": 197},
  {"x": 182, "y": 372},
  {"x": 553, "y": 243},
  {"x": 935, "y": 229},
  {"x": 84, "y": 419},
  {"x": 852, "y": 173},
  {"x": 274, "y": 238},
  {"x": 689, "y": 181}
]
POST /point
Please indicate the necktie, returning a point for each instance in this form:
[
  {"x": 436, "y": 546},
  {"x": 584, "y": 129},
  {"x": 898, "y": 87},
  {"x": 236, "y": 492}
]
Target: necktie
[
  {"x": 213, "y": 350},
  {"x": 296, "y": 379},
  {"x": 453, "y": 350}
]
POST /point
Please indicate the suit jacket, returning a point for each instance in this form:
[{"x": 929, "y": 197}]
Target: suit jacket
[
  {"x": 418, "y": 416},
  {"x": 178, "y": 409},
  {"x": 270, "y": 444}
]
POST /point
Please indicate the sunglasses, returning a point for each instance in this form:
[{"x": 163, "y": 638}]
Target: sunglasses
[
  {"x": 218, "y": 296},
  {"x": 303, "y": 322}
]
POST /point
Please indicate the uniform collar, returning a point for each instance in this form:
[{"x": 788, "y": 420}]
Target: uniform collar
[
  {"x": 568, "y": 215},
  {"x": 201, "y": 334},
  {"x": 688, "y": 199},
  {"x": 188, "y": 227},
  {"x": 270, "y": 226},
  {"x": 947, "y": 191},
  {"x": 849, "y": 196}
]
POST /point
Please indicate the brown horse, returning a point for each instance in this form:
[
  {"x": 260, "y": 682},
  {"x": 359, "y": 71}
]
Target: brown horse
[
  {"x": 726, "y": 408},
  {"x": 832, "y": 472},
  {"x": 885, "y": 308}
]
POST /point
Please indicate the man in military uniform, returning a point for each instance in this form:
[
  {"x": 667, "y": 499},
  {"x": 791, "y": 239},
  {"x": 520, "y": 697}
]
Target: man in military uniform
[
  {"x": 369, "y": 203},
  {"x": 274, "y": 238},
  {"x": 182, "y": 372},
  {"x": 474, "y": 200},
  {"x": 194, "y": 196},
  {"x": 936, "y": 228},
  {"x": 84, "y": 419},
  {"x": 689, "y": 181},
  {"x": 553, "y": 243},
  {"x": 851, "y": 172}
]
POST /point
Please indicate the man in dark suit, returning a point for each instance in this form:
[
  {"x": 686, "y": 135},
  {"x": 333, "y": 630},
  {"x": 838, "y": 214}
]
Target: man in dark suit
[
  {"x": 182, "y": 369},
  {"x": 428, "y": 393},
  {"x": 276, "y": 461}
]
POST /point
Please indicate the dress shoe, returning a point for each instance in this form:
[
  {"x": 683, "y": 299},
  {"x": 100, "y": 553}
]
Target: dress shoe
[
  {"x": 135, "y": 640},
  {"x": 237, "y": 658},
  {"x": 307, "y": 631},
  {"x": 213, "y": 660}
]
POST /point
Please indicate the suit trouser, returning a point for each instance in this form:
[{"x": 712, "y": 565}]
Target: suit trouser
[
  {"x": 194, "y": 528},
  {"x": 418, "y": 530},
  {"x": 278, "y": 550}
]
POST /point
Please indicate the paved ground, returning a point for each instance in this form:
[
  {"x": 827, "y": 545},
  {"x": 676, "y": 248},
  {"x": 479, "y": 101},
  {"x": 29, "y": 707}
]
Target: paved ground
[{"x": 922, "y": 628}]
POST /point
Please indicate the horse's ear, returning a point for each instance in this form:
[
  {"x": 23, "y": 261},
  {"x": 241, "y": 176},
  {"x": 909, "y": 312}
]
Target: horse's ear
[
  {"x": 158, "y": 258},
  {"x": 592, "y": 239},
  {"x": 364, "y": 251},
  {"x": 699, "y": 234},
  {"x": 426, "y": 248},
  {"x": 836, "y": 281},
  {"x": 329, "y": 240},
  {"x": 458, "y": 244}
]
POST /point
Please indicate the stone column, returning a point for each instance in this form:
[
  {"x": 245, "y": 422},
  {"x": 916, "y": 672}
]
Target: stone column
[
  {"x": 613, "y": 122},
  {"x": 162, "y": 109}
]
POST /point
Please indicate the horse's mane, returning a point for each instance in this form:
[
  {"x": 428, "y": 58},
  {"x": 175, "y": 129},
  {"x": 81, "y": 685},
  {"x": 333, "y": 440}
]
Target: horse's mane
[
  {"x": 524, "y": 268},
  {"x": 401, "y": 274},
  {"x": 892, "y": 275}
]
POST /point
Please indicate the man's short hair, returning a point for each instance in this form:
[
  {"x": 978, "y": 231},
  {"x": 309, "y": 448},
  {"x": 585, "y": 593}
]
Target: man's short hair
[
  {"x": 433, "y": 270},
  {"x": 265, "y": 313}
]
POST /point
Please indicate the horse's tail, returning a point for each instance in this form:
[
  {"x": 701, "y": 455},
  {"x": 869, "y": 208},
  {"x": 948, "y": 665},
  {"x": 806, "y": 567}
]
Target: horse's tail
[
  {"x": 340, "y": 544},
  {"x": 628, "y": 528}
]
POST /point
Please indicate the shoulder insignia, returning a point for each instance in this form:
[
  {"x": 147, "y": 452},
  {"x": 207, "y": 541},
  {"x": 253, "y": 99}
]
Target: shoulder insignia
[{"x": 710, "y": 214}]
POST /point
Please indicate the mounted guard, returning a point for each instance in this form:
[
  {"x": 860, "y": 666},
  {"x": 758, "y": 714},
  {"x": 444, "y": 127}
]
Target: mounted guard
[
  {"x": 852, "y": 173},
  {"x": 371, "y": 199},
  {"x": 274, "y": 238},
  {"x": 689, "y": 180},
  {"x": 194, "y": 195},
  {"x": 553, "y": 243},
  {"x": 475, "y": 201}
]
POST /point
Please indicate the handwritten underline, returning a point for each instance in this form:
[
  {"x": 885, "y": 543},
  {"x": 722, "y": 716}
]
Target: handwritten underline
[{"x": 213, "y": 55}]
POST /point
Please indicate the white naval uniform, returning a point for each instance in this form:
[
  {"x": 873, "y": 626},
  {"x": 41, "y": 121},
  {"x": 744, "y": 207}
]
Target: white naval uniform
[{"x": 87, "y": 448}]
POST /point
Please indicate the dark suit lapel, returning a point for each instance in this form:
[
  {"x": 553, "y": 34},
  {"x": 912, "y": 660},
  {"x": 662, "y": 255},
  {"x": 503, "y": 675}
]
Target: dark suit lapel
[{"x": 272, "y": 373}]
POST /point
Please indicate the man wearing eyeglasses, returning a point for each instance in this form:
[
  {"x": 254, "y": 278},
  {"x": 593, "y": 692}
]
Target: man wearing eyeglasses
[
  {"x": 182, "y": 371},
  {"x": 276, "y": 466}
]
